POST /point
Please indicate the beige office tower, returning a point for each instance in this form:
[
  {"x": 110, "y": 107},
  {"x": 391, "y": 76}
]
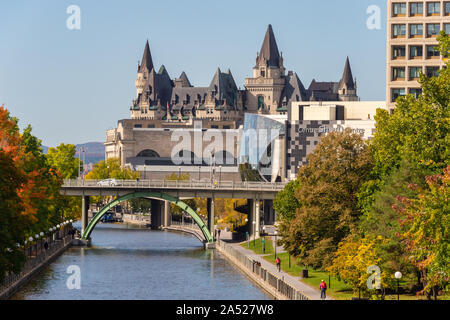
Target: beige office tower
[{"x": 412, "y": 28}]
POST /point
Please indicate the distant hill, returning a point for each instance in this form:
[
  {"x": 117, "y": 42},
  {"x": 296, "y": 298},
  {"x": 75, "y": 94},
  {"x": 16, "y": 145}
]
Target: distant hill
[{"x": 94, "y": 151}]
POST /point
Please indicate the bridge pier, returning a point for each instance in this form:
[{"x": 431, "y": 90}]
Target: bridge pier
[
  {"x": 254, "y": 216},
  {"x": 84, "y": 212},
  {"x": 269, "y": 212},
  {"x": 167, "y": 214},
  {"x": 156, "y": 214},
  {"x": 210, "y": 207}
]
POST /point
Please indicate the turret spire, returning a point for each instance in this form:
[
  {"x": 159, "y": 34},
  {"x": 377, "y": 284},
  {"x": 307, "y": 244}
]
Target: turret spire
[
  {"x": 269, "y": 50},
  {"x": 347, "y": 77},
  {"x": 147, "y": 61}
]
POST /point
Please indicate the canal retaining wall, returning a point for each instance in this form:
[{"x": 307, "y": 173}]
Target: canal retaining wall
[
  {"x": 13, "y": 282},
  {"x": 271, "y": 283}
]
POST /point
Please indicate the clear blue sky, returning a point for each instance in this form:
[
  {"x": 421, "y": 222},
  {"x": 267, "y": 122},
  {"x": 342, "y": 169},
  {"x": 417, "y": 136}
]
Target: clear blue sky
[{"x": 72, "y": 86}]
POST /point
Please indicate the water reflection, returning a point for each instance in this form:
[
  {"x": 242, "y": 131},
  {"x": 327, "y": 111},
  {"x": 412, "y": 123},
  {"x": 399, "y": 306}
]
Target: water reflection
[{"x": 126, "y": 262}]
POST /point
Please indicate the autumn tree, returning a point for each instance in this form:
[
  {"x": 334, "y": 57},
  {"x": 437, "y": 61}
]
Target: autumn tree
[
  {"x": 358, "y": 259},
  {"x": 327, "y": 194}
]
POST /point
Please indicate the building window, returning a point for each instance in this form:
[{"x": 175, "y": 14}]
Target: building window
[
  {"x": 432, "y": 52},
  {"x": 416, "y": 30},
  {"x": 433, "y": 29},
  {"x": 398, "y": 52},
  {"x": 260, "y": 102},
  {"x": 398, "y": 73},
  {"x": 399, "y": 9},
  {"x": 447, "y": 28},
  {"x": 416, "y": 52},
  {"x": 399, "y": 30},
  {"x": 263, "y": 73},
  {"x": 432, "y": 72},
  {"x": 447, "y": 8},
  {"x": 416, "y": 92},
  {"x": 397, "y": 93},
  {"x": 414, "y": 72},
  {"x": 416, "y": 9},
  {"x": 434, "y": 8},
  {"x": 138, "y": 125}
]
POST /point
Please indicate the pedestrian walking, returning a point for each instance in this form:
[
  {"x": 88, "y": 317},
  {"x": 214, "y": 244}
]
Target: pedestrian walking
[
  {"x": 278, "y": 260},
  {"x": 215, "y": 234},
  {"x": 323, "y": 290},
  {"x": 218, "y": 233}
]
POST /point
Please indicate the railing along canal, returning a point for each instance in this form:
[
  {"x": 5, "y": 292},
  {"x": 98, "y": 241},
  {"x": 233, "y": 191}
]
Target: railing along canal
[
  {"x": 253, "y": 266},
  {"x": 36, "y": 254}
]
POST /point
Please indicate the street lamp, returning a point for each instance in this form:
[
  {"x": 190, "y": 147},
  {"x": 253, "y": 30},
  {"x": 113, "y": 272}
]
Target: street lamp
[
  {"x": 179, "y": 172},
  {"x": 275, "y": 233},
  {"x": 199, "y": 168},
  {"x": 398, "y": 276},
  {"x": 220, "y": 174},
  {"x": 263, "y": 239},
  {"x": 254, "y": 233}
]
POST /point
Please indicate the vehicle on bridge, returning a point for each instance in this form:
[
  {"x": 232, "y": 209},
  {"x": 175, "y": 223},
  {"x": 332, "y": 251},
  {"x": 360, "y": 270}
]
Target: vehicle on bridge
[{"x": 107, "y": 183}]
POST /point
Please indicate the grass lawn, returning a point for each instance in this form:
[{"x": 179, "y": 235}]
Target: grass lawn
[
  {"x": 256, "y": 246},
  {"x": 337, "y": 290}
]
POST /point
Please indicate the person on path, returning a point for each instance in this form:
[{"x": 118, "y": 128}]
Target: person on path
[
  {"x": 278, "y": 260},
  {"x": 218, "y": 233},
  {"x": 323, "y": 290}
]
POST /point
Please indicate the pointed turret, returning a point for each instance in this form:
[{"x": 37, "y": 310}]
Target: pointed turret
[
  {"x": 347, "y": 77},
  {"x": 147, "y": 62},
  {"x": 269, "y": 53},
  {"x": 184, "y": 79}
]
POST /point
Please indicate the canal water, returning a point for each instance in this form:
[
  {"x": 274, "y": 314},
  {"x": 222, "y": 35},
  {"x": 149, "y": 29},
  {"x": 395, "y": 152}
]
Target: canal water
[{"x": 127, "y": 262}]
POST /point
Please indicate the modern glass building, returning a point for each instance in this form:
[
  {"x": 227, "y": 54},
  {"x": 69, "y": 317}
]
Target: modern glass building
[{"x": 261, "y": 150}]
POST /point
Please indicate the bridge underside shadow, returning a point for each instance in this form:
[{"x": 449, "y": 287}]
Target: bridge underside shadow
[{"x": 159, "y": 212}]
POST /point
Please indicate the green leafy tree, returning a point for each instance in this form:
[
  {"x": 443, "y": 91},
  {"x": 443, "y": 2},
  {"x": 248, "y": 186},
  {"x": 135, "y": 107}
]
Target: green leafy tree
[
  {"x": 426, "y": 218},
  {"x": 62, "y": 158},
  {"x": 111, "y": 168},
  {"x": 285, "y": 203}
]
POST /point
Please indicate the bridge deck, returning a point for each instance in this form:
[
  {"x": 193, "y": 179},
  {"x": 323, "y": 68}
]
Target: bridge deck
[{"x": 192, "y": 188}]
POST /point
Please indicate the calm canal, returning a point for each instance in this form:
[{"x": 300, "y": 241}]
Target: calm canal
[{"x": 126, "y": 262}]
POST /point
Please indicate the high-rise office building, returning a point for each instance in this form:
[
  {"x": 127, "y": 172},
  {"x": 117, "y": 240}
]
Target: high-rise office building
[{"x": 412, "y": 28}]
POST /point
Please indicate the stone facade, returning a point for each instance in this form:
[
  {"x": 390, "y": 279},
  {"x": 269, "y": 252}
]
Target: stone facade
[{"x": 164, "y": 105}]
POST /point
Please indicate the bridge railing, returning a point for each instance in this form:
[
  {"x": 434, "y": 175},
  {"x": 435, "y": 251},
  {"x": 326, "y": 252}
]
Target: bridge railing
[{"x": 191, "y": 184}]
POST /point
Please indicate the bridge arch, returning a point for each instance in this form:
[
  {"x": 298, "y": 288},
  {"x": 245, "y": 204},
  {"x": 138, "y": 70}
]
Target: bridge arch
[{"x": 155, "y": 195}]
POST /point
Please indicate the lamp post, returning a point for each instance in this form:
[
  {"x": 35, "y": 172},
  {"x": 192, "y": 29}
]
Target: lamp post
[
  {"x": 275, "y": 233},
  {"x": 30, "y": 239},
  {"x": 398, "y": 276},
  {"x": 36, "y": 236},
  {"x": 179, "y": 172},
  {"x": 254, "y": 233},
  {"x": 246, "y": 233},
  {"x": 199, "y": 168},
  {"x": 263, "y": 239},
  {"x": 220, "y": 174}
]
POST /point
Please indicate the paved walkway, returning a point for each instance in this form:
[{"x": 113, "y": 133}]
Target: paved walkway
[{"x": 295, "y": 282}]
